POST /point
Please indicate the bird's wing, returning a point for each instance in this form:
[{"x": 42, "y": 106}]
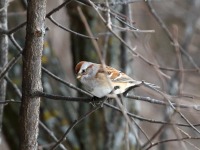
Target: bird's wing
[{"x": 117, "y": 76}]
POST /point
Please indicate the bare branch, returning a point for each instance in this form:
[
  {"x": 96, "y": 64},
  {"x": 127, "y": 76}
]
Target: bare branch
[
  {"x": 155, "y": 101},
  {"x": 64, "y": 82},
  {"x": 172, "y": 140},
  {"x": 59, "y": 97},
  {"x": 149, "y": 120},
  {"x": 74, "y": 124},
  {"x": 168, "y": 33}
]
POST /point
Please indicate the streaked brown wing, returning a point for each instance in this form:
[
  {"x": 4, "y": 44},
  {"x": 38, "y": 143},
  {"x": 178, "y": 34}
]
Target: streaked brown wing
[
  {"x": 123, "y": 78},
  {"x": 116, "y": 75}
]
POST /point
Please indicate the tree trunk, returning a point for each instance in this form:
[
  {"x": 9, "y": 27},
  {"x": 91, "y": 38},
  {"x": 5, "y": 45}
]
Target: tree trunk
[
  {"x": 31, "y": 82},
  {"x": 3, "y": 54}
]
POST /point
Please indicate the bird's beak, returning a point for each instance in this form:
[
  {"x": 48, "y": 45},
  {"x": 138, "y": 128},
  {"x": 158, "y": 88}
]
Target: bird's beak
[{"x": 78, "y": 76}]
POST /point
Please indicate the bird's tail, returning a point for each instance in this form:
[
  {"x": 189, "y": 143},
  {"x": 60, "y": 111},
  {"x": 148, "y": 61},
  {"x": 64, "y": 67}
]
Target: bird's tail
[{"x": 150, "y": 84}]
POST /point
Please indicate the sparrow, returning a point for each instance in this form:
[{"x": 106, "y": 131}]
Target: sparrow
[{"x": 102, "y": 80}]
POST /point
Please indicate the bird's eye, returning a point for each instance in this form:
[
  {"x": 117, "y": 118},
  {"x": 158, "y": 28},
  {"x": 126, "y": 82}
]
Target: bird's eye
[{"x": 83, "y": 71}]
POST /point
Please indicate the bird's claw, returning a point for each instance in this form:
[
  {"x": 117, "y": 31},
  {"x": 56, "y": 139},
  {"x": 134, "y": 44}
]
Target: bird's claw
[{"x": 97, "y": 101}]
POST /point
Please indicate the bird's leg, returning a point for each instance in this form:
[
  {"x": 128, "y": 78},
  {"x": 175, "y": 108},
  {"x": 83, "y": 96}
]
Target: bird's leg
[
  {"x": 103, "y": 100},
  {"x": 93, "y": 103},
  {"x": 98, "y": 101}
]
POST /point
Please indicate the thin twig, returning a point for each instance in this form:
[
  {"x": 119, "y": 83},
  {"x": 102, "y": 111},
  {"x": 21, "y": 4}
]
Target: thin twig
[
  {"x": 51, "y": 134},
  {"x": 11, "y": 31},
  {"x": 58, "y": 8},
  {"x": 17, "y": 90},
  {"x": 148, "y": 120},
  {"x": 155, "y": 101},
  {"x": 168, "y": 33},
  {"x": 132, "y": 50},
  {"x": 66, "y": 83},
  {"x": 9, "y": 101},
  {"x": 192, "y": 144},
  {"x": 9, "y": 65},
  {"x": 65, "y": 98},
  {"x": 94, "y": 42},
  {"x": 179, "y": 58},
  {"x": 172, "y": 140},
  {"x": 124, "y": 113},
  {"x": 169, "y": 101},
  {"x": 157, "y": 132},
  {"x": 74, "y": 124},
  {"x": 12, "y": 38},
  {"x": 103, "y": 4},
  {"x": 68, "y": 30},
  {"x": 140, "y": 128}
]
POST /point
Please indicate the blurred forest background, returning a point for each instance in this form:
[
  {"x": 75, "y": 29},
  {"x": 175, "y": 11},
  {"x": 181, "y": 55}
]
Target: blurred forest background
[{"x": 154, "y": 40}]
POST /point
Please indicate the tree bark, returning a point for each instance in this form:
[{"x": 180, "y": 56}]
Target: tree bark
[
  {"x": 3, "y": 54},
  {"x": 31, "y": 81}
]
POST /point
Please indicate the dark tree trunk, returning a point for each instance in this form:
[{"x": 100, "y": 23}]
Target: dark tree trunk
[
  {"x": 3, "y": 54},
  {"x": 29, "y": 112}
]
